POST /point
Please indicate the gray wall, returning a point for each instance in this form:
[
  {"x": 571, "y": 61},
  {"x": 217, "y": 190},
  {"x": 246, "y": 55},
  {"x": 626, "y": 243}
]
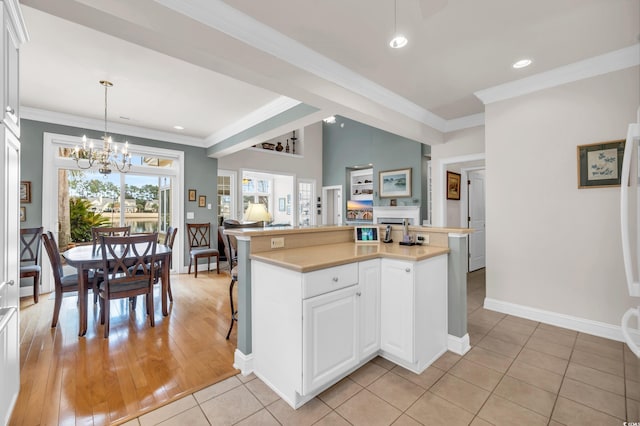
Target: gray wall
[
  {"x": 356, "y": 144},
  {"x": 200, "y": 172}
]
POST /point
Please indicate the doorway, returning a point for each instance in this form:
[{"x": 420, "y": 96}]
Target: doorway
[
  {"x": 332, "y": 205},
  {"x": 476, "y": 218}
]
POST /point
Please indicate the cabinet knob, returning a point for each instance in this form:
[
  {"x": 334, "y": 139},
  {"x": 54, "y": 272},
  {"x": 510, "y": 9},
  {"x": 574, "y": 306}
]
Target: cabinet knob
[
  {"x": 10, "y": 110},
  {"x": 358, "y": 293},
  {"x": 335, "y": 279},
  {"x": 407, "y": 270},
  {"x": 9, "y": 282}
]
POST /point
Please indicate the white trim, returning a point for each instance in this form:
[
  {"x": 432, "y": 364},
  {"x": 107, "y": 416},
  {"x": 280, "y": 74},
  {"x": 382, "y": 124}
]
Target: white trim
[
  {"x": 264, "y": 113},
  {"x": 583, "y": 325},
  {"x": 233, "y": 180},
  {"x": 116, "y": 128},
  {"x": 243, "y": 362},
  {"x": 466, "y": 122},
  {"x": 458, "y": 345},
  {"x": 15, "y": 14},
  {"x": 598, "y": 65}
]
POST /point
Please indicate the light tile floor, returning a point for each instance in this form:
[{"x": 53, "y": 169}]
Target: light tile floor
[{"x": 517, "y": 372}]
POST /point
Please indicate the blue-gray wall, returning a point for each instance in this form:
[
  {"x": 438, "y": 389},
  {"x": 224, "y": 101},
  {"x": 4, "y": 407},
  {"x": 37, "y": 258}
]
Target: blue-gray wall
[
  {"x": 200, "y": 172},
  {"x": 356, "y": 144}
]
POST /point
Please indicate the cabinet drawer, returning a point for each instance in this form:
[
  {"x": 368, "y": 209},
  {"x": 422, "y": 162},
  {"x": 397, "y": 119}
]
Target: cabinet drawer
[{"x": 325, "y": 280}]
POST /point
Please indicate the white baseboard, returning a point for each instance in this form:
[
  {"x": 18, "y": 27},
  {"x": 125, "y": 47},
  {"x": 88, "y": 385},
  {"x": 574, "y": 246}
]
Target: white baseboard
[
  {"x": 458, "y": 345},
  {"x": 243, "y": 362},
  {"x": 583, "y": 325}
]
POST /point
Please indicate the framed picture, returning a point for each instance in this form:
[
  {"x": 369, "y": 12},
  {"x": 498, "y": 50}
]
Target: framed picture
[
  {"x": 25, "y": 191},
  {"x": 453, "y": 186},
  {"x": 192, "y": 195},
  {"x": 395, "y": 183},
  {"x": 600, "y": 164},
  {"x": 282, "y": 204},
  {"x": 23, "y": 214},
  {"x": 202, "y": 201}
]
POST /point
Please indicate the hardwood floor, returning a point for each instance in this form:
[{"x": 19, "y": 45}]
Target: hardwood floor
[{"x": 66, "y": 379}]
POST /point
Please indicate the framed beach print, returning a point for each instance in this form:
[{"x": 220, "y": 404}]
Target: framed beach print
[
  {"x": 202, "y": 201},
  {"x": 453, "y": 186},
  {"x": 600, "y": 164},
  {"x": 25, "y": 191},
  {"x": 192, "y": 195},
  {"x": 395, "y": 183}
]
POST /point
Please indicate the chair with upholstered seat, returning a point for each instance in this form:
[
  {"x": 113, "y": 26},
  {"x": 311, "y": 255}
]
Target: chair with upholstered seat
[
  {"x": 230, "y": 247},
  {"x": 126, "y": 262},
  {"x": 199, "y": 235},
  {"x": 30, "y": 256},
  {"x": 63, "y": 283},
  {"x": 96, "y": 233}
]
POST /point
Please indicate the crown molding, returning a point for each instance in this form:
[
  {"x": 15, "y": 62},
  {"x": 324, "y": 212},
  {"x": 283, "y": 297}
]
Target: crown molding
[
  {"x": 93, "y": 124},
  {"x": 222, "y": 17},
  {"x": 266, "y": 112},
  {"x": 466, "y": 122},
  {"x": 598, "y": 65}
]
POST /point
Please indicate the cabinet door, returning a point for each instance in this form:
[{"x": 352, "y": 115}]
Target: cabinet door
[
  {"x": 369, "y": 276},
  {"x": 11, "y": 114},
  {"x": 396, "y": 309},
  {"x": 329, "y": 337}
]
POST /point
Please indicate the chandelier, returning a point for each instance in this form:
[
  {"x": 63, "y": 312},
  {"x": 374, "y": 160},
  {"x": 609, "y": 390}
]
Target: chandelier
[{"x": 110, "y": 156}]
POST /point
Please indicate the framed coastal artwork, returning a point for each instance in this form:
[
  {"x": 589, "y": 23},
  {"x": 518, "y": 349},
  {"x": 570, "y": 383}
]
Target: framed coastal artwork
[
  {"x": 395, "y": 183},
  {"x": 600, "y": 164},
  {"x": 453, "y": 186},
  {"x": 192, "y": 195}
]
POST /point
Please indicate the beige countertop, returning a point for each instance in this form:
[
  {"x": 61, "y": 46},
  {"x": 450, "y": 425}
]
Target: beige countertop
[
  {"x": 307, "y": 259},
  {"x": 249, "y": 232}
]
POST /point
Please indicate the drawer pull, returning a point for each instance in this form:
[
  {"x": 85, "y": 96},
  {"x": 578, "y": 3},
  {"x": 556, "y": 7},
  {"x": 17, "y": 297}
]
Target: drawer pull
[
  {"x": 335, "y": 279},
  {"x": 8, "y": 282},
  {"x": 407, "y": 270}
]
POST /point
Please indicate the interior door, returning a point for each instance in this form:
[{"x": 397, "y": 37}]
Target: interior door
[
  {"x": 476, "y": 219},
  {"x": 332, "y": 205}
]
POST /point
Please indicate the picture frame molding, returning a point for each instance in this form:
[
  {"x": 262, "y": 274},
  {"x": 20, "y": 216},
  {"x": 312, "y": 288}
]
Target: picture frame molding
[
  {"x": 394, "y": 194},
  {"x": 453, "y": 185}
]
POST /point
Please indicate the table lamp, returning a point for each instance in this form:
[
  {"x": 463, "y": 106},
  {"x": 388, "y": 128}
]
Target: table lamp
[{"x": 256, "y": 213}]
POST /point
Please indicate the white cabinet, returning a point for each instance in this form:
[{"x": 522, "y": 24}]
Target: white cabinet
[
  {"x": 396, "y": 309},
  {"x": 413, "y": 311},
  {"x": 361, "y": 184},
  {"x": 11, "y": 40},
  {"x": 329, "y": 338},
  {"x": 369, "y": 298},
  {"x": 309, "y": 330}
]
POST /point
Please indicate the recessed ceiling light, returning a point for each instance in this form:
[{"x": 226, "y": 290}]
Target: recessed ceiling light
[
  {"x": 522, "y": 63},
  {"x": 178, "y": 127}
]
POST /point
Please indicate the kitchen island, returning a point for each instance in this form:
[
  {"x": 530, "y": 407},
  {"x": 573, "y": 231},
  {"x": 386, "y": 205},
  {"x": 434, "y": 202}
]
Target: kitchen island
[{"x": 306, "y": 267}]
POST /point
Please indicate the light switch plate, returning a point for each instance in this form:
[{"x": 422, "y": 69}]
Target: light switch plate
[{"x": 190, "y": 215}]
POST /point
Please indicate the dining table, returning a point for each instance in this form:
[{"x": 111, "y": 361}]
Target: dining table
[{"x": 85, "y": 258}]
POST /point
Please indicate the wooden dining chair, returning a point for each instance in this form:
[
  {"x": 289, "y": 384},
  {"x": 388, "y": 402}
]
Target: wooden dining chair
[
  {"x": 30, "y": 257},
  {"x": 96, "y": 233},
  {"x": 199, "y": 235},
  {"x": 231, "y": 248},
  {"x": 127, "y": 272},
  {"x": 63, "y": 283}
]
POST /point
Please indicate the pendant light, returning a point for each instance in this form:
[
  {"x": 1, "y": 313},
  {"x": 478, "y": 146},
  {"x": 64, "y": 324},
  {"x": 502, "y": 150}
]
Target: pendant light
[{"x": 398, "y": 41}]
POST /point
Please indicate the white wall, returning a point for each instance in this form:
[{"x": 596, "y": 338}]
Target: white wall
[
  {"x": 308, "y": 166},
  {"x": 551, "y": 245},
  {"x": 459, "y": 144}
]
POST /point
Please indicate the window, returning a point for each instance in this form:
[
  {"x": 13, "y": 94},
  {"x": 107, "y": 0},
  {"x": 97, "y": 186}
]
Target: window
[{"x": 306, "y": 195}]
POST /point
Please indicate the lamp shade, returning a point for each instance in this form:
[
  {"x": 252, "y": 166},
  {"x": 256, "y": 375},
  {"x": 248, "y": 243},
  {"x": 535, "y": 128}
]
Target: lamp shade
[{"x": 256, "y": 212}]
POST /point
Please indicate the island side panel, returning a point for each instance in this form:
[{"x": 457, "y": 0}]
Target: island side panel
[
  {"x": 457, "y": 285},
  {"x": 244, "y": 296}
]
